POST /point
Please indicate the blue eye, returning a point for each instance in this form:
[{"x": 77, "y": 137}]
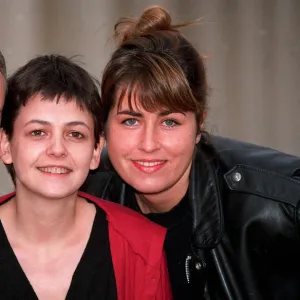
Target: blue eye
[
  {"x": 170, "y": 123},
  {"x": 130, "y": 122}
]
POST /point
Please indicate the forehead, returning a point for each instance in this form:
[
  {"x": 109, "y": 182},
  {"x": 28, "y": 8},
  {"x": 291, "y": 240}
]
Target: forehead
[{"x": 54, "y": 110}]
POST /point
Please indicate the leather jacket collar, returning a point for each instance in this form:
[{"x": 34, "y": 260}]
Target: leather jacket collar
[
  {"x": 204, "y": 196},
  {"x": 205, "y": 201}
]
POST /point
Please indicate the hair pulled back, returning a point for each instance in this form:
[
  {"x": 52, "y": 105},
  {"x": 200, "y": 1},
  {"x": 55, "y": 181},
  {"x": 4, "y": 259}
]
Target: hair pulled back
[{"x": 155, "y": 65}]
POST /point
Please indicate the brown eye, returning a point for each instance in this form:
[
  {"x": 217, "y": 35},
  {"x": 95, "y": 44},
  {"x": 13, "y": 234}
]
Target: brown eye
[
  {"x": 76, "y": 135},
  {"x": 37, "y": 133}
]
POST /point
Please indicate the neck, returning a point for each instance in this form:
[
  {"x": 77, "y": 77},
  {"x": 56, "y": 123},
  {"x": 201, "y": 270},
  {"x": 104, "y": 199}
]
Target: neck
[
  {"x": 165, "y": 200},
  {"x": 40, "y": 220}
]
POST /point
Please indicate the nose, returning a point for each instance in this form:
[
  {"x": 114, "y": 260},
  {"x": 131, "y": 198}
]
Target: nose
[
  {"x": 57, "y": 147},
  {"x": 149, "y": 140}
]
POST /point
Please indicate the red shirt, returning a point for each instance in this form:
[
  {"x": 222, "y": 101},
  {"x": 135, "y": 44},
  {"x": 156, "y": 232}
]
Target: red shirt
[{"x": 137, "y": 252}]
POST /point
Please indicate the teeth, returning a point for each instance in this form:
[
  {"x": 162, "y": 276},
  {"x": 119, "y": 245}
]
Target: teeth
[
  {"x": 149, "y": 164},
  {"x": 55, "y": 170}
]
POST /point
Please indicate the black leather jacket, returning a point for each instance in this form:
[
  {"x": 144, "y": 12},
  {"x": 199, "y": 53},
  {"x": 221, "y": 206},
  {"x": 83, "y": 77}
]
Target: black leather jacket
[{"x": 246, "y": 218}]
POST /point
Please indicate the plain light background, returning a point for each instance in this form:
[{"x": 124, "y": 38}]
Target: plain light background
[{"x": 252, "y": 49}]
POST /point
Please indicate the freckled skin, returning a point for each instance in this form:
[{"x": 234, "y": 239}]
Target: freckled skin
[{"x": 149, "y": 138}]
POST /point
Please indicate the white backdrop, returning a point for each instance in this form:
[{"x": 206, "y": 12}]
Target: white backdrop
[{"x": 253, "y": 51}]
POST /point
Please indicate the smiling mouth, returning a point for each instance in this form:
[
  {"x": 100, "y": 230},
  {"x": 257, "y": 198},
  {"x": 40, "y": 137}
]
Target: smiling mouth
[
  {"x": 149, "y": 163},
  {"x": 149, "y": 167},
  {"x": 55, "y": 170}
]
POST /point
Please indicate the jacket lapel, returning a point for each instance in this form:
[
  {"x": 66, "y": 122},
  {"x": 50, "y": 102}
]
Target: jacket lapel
[{"x": 205, "y": 201}]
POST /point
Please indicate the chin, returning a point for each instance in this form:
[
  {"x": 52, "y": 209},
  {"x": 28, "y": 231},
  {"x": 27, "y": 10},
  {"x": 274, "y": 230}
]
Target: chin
[
  {"x": 57, "y": 194},
  {"x": 149, "y": 189},
  {"x": 46, "y": 189}
]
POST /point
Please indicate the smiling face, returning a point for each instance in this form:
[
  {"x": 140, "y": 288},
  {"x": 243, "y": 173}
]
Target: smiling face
[
  {"x": 152, "y": 151},
  {"x": 52, "y": 147}
]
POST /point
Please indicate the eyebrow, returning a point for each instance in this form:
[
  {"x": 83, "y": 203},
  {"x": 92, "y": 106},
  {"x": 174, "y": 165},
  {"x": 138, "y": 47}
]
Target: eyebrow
[
  {"x": 138, "y": 114},
  {"x": 130, "y": 113},
  {"x": 46, "y": 123},
  {"x": 169, "y": 112}
]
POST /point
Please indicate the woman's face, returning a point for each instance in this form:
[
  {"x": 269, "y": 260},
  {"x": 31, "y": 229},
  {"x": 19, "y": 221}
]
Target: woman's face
[
  {"x": 152, "y": 151},
  {"x": 52, "y": 148}
]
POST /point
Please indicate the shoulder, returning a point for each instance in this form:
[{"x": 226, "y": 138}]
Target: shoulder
[
  {"x": 233, "y": 152},
  {"x": 259, "y": 170},
  {"x": 6, "y": 197},
  {"x": 129, "y": 224}
]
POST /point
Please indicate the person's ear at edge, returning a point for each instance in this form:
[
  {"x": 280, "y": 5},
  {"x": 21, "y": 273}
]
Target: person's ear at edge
[
  {"x": 95, "y": 161},
  {"x": 5, "y": 151}
]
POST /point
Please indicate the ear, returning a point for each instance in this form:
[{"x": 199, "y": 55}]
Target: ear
[
  {"x": 198, "y": 137},
  {"x": 5, "y": 151},
  {"x": 201, "y": 126},
  {"x": 97, "y": 153}
]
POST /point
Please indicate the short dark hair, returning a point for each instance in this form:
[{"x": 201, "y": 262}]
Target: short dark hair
[
  {"x": 2, "y": 65},
  {"x": 54, "y": 77}
]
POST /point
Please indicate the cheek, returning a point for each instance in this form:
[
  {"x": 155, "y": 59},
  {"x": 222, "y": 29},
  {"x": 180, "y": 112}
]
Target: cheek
[
  {"x": 182, "y": 144},
  {"x": 114, "y": 132},
  {"x": 120, "y": 141},
  {"x": 24, "y": 158},
  {"x": 22, "y": 150},
  {"x": 75, "y": 152}
]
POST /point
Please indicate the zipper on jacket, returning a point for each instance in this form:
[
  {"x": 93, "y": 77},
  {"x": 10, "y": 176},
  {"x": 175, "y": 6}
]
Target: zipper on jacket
[
  {"x": 198, "y": 265},
  {"x": 195, "y": 271},
  {"x": 187, "y": 268}
]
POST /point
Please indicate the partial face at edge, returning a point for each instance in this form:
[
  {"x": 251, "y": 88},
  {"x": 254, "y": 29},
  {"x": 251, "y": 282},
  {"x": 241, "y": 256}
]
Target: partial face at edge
[
  {"x": 151, "y": 151},
  {"x": 2, "y": 98},
  {"x": 52, "y": 147},
  {"x": 2, "y": 92}
]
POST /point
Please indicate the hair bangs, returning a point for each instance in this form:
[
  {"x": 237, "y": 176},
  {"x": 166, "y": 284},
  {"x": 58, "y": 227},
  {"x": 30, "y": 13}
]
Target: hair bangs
[
  {"x": 67, "y": 96},
  {"x": 158, "y": 84}
]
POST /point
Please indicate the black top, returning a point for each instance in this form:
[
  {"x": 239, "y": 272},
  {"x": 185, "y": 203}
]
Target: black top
[
  {"x": 178, "y": 222},
  {"x": 93, "y": 278}
]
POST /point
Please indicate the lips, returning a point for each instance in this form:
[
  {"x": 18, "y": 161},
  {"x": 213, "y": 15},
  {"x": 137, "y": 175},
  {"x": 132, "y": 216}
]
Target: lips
[
  {"x": 149, "y": 166},
  {"x": 150, "y": 163},
  {"x": 55, "y": 170}
]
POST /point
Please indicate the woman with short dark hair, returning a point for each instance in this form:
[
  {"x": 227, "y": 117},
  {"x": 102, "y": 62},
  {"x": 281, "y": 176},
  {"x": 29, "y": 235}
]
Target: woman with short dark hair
[{"x": 55, "y": 242}]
